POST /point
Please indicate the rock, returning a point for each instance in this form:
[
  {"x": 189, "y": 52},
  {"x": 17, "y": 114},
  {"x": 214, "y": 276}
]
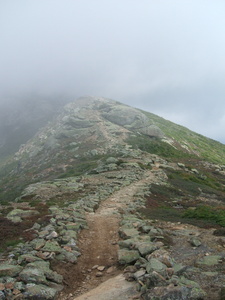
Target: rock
[
  {"x": 68, "y": 256},
  {"x": 52, "y": 235},
  {"x": 38, "y": 243},
  {"x": 67, "y": 235},
  {"x": 38, "y": 291},
  {"x": 39, "y": 272},
  {"x": 197, "y": 293},
  {"x": 33, "y": 275},
  {"x": 52, "y": 246},
  {"x": 127, "y": 233},
  {"x": 155, "y": 265},
  {"x": 129, "y": 243},
  {"x": 146, "y": 248},
  {"x": 195, "y": 171},
  {"x": 195, "y": 242},
  {"x": 46, "y": 255},
  {"x": 127, "y": 256},
  {"x": 17, "y": 214},
  {"x": 190, "y": 283},
  {"x": 168, "y": 293},
  {"x": 178, "y": 268},
  {"x": 27, "y": 258},
  {"x": 101, "y": 268},
  {"x": 111, "y": 160},
  {"x": 43, "y": 233},
  {"x": 209, "y": 260},
  {"x": 181, "y": 165},
  {"x": 111, "y": 269},
  {"x": 9, "y": 270},
  {"x": 219, "y": 232},
  {"x": 139, "y": 274}
]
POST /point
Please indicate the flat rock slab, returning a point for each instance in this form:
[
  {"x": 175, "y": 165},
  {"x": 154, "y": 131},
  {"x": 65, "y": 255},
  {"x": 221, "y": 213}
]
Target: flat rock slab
[{"x": 116, "y": 288}]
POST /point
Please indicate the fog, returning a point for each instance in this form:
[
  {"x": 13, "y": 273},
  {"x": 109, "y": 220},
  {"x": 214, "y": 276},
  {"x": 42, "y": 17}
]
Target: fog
[{"x": 162, "y": 56}]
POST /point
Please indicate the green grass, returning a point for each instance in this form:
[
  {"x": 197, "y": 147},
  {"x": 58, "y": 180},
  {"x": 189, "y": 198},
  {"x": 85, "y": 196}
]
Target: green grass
[
  {"x": 207, "y": 148},
  {"x": 192, "y": 183},
  {"x": 156, "y": 146}
]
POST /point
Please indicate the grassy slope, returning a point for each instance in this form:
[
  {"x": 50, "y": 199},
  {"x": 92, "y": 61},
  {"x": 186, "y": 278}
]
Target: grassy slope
[{"x": 208, "y": 149}]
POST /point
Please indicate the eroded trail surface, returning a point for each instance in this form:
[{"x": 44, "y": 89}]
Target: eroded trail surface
[{"x": 98, "y": 245}]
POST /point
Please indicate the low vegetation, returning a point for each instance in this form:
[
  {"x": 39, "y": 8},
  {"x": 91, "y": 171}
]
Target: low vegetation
[{"x": 207, "y": 213}]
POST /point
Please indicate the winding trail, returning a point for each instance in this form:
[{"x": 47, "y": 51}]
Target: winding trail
[{"x": 98, "y": 245}]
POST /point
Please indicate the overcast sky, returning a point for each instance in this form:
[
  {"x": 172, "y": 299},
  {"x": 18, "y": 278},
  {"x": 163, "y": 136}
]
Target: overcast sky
[{"x": 166, "y": 57}]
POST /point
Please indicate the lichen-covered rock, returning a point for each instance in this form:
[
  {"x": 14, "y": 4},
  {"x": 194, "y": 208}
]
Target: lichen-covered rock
[
  {"x": 16, "y": 215},
  {"x": 127, "y": 256},
  {"x": 127, "y": 233},
  {"x": 209, "y": 260},
  {"x": 146, "y": 248},
  {"x": 40, "y": 291},
  {"x": 52, "y": 246},
  {"x": 155, "y": 265},
  {"x": 195, "y": 242},
  {"x": 33, "y": 275},
  {"x": 9, "y": 270}
]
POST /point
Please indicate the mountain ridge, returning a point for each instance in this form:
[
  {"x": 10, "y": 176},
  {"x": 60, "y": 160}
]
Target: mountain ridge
[{"x": 105, "y": 186}]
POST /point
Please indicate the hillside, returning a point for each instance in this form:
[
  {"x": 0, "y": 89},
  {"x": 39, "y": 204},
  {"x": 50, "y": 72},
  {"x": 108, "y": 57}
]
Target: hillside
[{"x": 105, "y": 188}]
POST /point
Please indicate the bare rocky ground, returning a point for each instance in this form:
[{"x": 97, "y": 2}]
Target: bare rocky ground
[
  {"x": 100, "y": 275},
  {"x": 99, "y": 248},
  {"x": 191, "y": 258}
]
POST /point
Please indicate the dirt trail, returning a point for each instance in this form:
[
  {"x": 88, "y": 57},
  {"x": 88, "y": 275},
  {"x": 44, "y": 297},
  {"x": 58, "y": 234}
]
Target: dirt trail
[{"x": 98, "y": 245}]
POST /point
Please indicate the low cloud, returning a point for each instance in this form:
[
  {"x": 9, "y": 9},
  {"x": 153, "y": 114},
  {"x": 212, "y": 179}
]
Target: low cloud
[{"x": 164, "y": 57}]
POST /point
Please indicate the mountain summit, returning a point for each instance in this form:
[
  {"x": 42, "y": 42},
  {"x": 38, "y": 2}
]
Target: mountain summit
[{"x": 105, "y": 188}]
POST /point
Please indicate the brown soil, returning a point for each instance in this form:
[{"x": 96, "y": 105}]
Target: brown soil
[{"x": 98, "y": 246}]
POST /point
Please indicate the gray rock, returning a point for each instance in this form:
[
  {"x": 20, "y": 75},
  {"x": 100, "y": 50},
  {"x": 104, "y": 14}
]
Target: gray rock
[
  {"x": 195, "y": 242},
  {"x": 155, "y": 265},
  {"x": 209, "y": 260},
  {"x": 197, "y": 293},
  {"x": 52, "y": 246},
  {"x": 33, "y": 275},
  {"x": 52, "y": 235},
  {"x": 129, "y": 243},
  {"x": 146, "y": 248},
  {"x": 38, "y": 291},
  {"x": 9, "y": 270},
  {"x": 127, "y": 256},
  {"x": 17, "y": 214},
  {"x": 137, "y": 275},
  {"x": 27, "y": 258},
  {"x": 127, "y": 233}
]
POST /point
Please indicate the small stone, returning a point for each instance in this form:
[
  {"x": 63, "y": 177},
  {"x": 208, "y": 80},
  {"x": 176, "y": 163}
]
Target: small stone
[
  {"x": 52, "y": 235},
  {"x": 111, "y": 269},
  {"x": 195, "y": 242},
  {"x": 101, "y": 268},
  {"x": 139, "y": 274},
  {"x": 94, "y": 267},
  {"x": 9, "y": 285},
  {"x": 99, "y": 274},
  {"x": 16, "y": 292},
  {"x": 67, "y": 248}
]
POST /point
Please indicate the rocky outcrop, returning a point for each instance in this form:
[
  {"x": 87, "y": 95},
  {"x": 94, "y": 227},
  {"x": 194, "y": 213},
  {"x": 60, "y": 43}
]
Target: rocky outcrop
[{"x": 148, "y": 261}]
